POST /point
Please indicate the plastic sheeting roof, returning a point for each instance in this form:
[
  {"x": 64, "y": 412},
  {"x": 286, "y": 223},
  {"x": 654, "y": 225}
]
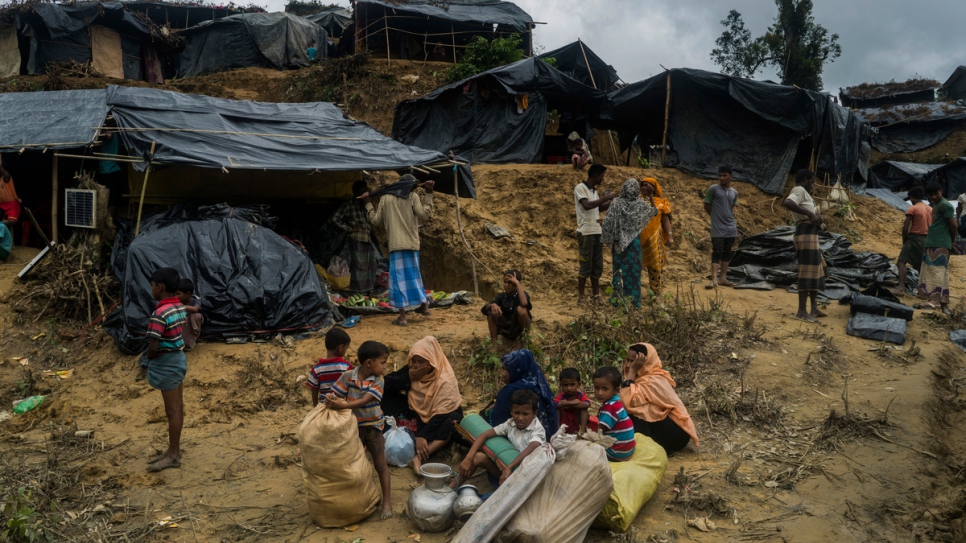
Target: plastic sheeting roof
[
  {"x": 891, "y": 174},
  {"x": 570, "y": 61},
  {"x": 53, "y": 120},
  {"x": 463, "y": 11},
  {"x": 211, "y": 132}
]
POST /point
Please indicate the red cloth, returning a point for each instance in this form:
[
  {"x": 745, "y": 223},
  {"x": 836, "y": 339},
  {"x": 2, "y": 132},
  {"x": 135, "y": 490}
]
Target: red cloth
[{"x": 11, "y": 210}]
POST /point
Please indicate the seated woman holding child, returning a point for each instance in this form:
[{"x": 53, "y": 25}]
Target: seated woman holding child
[
  {"x": 649, "y": 398},
  {"x": 521, "y": 372}
]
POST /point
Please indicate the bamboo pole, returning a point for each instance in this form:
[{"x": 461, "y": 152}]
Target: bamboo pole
[
  {"x": 452, "y": 32},
  {"x": 53, "y": 202},
  {"x": 144, "y": 188},
  {"x": 586, "y": 62},
  {"x": 388, "y": 56},
  {"x": 459, "y": 222},
  {"x": 667, "y": 116}
]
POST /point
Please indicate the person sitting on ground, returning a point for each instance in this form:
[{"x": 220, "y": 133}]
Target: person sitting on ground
[
  {"x": 521, "y": 372},
  {"x": 657, "y": 235},
  {"x": 579, "y": 151},
  {"x": 434, "y": 395},
  {"x": 9, "y": 201},
  {"x": 914, "y": 231},
  {"x": 523, "y": 430},
  {"x": 360, "y": 389},
  {"x": 192, "y": 307},
  {"x": 590, "y": 255},
  {"x": 327, "y": 370},
  {"x": 622, "y": 228},
  {"x": 612, "y": 419},
  {"x": 6, "y": 242},
  {"x": 399, "y": 213},
  {"x": 934, "y": 274},
  {"x": 649, "y": 398},
  {"x": 165, "y": 361},
  {"x": 351, "y": 217},
  {"x": 719, "y": 202},
  {"x": 811, "y": 263},
  {"x": 508, "y": 315},
  {"x": 572, "y": 404}
]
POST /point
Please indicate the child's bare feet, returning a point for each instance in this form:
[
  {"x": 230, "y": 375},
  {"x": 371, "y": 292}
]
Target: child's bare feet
[
  {"x": 386, "y": 512},
  {"x": 818, "y": 313}
]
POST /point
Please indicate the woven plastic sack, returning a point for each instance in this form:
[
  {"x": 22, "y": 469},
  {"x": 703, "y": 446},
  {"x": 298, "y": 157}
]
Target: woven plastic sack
[
  {"x": 635, "y": 481},
  {"x": 400, "y": 446},
  {"x": 551, "y": 514},
  {"x": 338, "y": 478}
]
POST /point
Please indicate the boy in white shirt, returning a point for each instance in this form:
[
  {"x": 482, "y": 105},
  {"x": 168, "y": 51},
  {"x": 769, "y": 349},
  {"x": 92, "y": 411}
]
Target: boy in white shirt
[{"x": 523, "y": 430}]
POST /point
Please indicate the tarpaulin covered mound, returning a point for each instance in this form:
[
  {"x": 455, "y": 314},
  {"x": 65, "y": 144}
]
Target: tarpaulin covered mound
[{"x": 250, "y": 279}]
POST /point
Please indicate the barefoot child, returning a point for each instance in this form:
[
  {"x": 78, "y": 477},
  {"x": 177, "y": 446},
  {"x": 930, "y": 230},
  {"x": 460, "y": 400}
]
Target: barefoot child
[
  {"x": 508, "y": 315},
  {"x": 572, "y": 404},
  {"x": 328, "y": 370},
  {"x": 192, "y": 308},
  {"x": 165, "y": 361},
  {"x": 719, "y": 202},
  {"x": 360, "y": 390},
  {"x": 523, "y": 430},
  {"x": 612, "y": 418}
]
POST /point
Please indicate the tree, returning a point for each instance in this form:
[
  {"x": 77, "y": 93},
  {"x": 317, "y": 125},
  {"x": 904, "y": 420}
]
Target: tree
[
  {"x": 795, "y": 46},
  {"x": 483, "y": 54}
]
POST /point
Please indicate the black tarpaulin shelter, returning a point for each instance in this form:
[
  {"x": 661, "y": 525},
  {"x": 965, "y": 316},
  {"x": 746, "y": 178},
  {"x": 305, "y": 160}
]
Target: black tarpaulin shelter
[
  {"x": 208, "y": 132},
  {"x": 180, "y": 16},
  {"x": 909, "y": 128},
  {"x": 955, "y": 86},
  {"x": 890, "y": 174},
  {"x": 952, "y": 177},
  {"x": 483, "y": 117},
  {"x": 757, "y": 127},
  {"x": 421, "y": 29},
  {"x": 270, "y": 40},
  {"x": 573, "y": 60},
  {"x": 51, "y": 120},
  {"x": 886, "y": 94},
  {"x": 251, "y": 280},
  {"x": 334, "y": 21}
]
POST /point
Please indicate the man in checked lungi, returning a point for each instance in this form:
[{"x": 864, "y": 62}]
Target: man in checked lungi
[
  {"x": 811, "y": 264},
  {"x": 399, "y": 213}
]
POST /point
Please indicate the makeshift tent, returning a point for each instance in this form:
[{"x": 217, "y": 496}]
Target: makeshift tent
[
  {"x": 579, "y": 62},
  {"x": 955, "y": 86},
  {"x": 952, "y": 177},
  {"x": 208, "y": 132},
  {"x": 755, "y": 126},
  {"x": 498, "y": 116},
  {"x": 890, "y": 174},
  {"x": 10, "y": 57},
  {"x": 334, "y": 21},
  {"x": 180, "y": 16},
  {"x": 51, "y": 120},
  {"x": 250, "y": 279},
  {"x": 912, "y": 127},
  {"x": 271, "y": 40},
  {"x": 421, "y": 29},
  {"x": 103, "y": 33},
  {"x": 894, "y": 199}
]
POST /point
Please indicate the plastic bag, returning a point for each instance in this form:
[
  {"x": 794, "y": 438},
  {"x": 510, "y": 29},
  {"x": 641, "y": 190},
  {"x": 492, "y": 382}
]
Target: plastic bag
[
  {"x": 400, "y": 446},
  {"x": 547, "y": 516},
  {"x": 338, "y": 267},
  {"x": 879, "y": 328},
  {"x": 338, "y": 478},
  {"x": 635, "y": 481}
]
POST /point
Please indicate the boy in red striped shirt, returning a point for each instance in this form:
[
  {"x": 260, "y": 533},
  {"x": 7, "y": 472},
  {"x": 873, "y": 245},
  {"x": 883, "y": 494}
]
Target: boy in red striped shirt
[
  {"x": 328, "y": 370},
  {"x": 612, "y": 419}
]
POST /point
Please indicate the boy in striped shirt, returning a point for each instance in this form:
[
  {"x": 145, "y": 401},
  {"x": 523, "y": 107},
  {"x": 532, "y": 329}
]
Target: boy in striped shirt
[
  {"x": 612, "y": 418},
  {"x": 360, "y": 389},
  {"x": 328, "y": 370}
]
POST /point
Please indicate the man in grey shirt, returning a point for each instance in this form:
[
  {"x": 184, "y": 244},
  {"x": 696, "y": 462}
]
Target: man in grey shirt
[{"x": 719, "y": 202}]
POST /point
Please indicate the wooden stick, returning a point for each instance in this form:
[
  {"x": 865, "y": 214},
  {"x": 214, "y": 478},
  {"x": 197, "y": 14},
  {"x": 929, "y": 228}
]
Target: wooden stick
[
  {"x": 53, "y": 202},
  {"x": 613, "y": 148},
  {"x": 388, "y": 57},
  {"x": 113, "y": 159},
  {"x": 459, "y": 222},
  {"x": 667, "y": 116},
  {"x": 594, "y": 83},
  {"x": 453, "y": 34},
  {"x": 144, "y": 188},
  {"x": 33, "y": 221}
]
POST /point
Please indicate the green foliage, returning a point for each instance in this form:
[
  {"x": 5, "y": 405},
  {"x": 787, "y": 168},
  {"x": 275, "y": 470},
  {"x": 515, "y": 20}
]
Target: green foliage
[
  {"x": 795, "y": 46},
  {"x": 309, "y": 7},
  {"x": 643, "y": 162},
  {"x": 551, "y": 61},
  {"x": 482, "y": 55},
  {"x": 22, "y": 521}
]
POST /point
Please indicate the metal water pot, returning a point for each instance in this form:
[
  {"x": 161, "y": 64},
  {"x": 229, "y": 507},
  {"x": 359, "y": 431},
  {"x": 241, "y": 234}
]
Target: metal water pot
[
  {"x": 467, "y": 502},
  {"x": 431, "y": 506}
]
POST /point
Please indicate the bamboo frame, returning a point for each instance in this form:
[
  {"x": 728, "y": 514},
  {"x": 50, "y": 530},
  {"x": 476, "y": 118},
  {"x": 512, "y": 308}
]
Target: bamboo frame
[
  {"x": 54, "y": 216},
  {"x": 144, "y": 188},
  {"x": 667, "y": 117}
]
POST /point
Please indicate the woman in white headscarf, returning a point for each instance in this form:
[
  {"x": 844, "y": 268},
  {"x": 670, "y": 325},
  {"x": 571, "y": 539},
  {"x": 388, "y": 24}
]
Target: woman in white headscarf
[{"x": 626, "y": 218}]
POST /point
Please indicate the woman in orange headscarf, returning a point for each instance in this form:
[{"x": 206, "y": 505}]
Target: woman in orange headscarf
[
  {"x": 649, "y": 399},
  {"x": 434, "y": 396},
  {"x": 656, "y": 235}
]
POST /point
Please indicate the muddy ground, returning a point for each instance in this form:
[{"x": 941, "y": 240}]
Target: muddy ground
[{"x": 807, "y": 434}]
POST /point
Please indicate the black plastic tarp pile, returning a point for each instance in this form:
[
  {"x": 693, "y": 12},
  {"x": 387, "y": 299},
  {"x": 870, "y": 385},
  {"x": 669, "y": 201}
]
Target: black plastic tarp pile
[
  {"x": 334, "y": 21},
  {"x": 573, "y": 60},
  {"x": 211, "y": 132},
  {"x": 908, "y": 128},
  {"x": 271, "y": 40},
  {"x": 482, "y": 117},
  {"x": 768, "y": 260},
  {"x": 250, "y": 279},
  {"x": 54, "y": 119},
  {"x": 483, "y": 12},
  {"x": 890, "y": 174},
  {"x": 755, "y": 126}
]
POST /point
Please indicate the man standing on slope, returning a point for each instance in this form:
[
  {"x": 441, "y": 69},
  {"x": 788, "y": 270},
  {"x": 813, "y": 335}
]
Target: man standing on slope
[
  {"x": 399, "y": 211},
  {"x": 588, "y": 205}
]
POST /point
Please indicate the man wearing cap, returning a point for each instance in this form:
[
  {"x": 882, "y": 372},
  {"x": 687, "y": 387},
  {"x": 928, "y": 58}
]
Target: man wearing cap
[{"x": 914, "y": 231}]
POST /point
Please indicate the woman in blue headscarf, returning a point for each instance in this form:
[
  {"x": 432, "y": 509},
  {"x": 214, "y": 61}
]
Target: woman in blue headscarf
[{"x": 521, "y": 372}]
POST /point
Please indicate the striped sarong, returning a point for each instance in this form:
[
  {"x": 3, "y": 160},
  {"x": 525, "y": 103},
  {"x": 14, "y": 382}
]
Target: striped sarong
[
  {"x": 405, "y": 281},
  {"x": 934, "y": 275},
  {"x": 811, "y": 264}
]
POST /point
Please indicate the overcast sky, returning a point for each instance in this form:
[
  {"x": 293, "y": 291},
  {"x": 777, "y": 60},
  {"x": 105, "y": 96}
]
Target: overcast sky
[{"x": 881, "y": 39}]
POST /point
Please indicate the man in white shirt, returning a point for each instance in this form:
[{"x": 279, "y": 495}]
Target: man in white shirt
[{"x": 588, "y": 205}]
